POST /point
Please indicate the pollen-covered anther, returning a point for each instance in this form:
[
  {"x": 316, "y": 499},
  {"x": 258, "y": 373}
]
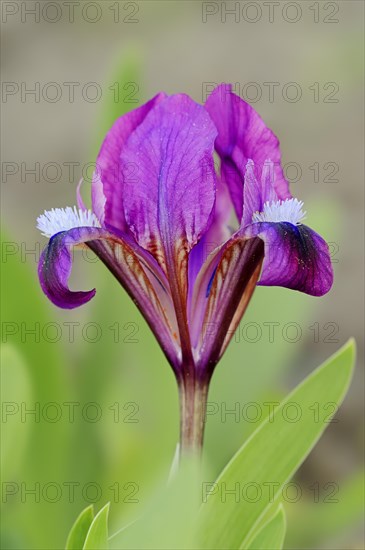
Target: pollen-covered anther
[
  {"x": 290, "y": 210},
  {"x": 62, "y": 219}
]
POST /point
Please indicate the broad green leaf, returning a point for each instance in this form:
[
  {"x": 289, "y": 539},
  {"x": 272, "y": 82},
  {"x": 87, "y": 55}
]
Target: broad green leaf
[
  {"x": 272, "y": 455},
  {"x": 271, "y": 535},
  {"x": 97, "y": 536},
  {"x": 79, "y": 530},
  {"x": 266, "y": 517}
]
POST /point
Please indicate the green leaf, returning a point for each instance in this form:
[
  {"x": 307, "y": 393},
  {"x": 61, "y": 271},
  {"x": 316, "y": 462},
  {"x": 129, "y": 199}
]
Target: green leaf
[
  {"x": 267, "y": 517},
  {"x": 97, "y": 536},
  {"x": 271, "y": 535},
  {"x": 79, "y": 530},
  {"x": 271, "y": 456}
]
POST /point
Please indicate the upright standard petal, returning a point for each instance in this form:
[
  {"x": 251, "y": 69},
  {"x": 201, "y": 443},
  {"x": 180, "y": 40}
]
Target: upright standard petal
[
  {"x": 107, "y": 184},
  {"x": 138, "y": 274},
  {"x": 242, "y": 135},
  {"x": 296, "y": 257},
  {"x": 173, "y": 195},
  {"x": 169, "y": 207}
]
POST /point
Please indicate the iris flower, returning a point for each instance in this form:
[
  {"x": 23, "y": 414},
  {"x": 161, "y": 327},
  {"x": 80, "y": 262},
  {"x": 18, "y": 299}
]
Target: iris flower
[{"x": 161, "y": 221}]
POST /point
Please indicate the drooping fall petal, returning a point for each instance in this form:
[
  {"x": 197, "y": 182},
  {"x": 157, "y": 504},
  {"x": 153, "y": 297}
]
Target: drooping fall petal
[
  {"x": 223, "y": 290},
  {"x": 135, "y": 270},
  {"x": 296, "y": 257}
]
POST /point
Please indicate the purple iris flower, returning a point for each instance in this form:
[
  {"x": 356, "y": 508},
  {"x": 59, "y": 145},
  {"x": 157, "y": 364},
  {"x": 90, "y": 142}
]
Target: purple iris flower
[{"x": 161, "y": 222}]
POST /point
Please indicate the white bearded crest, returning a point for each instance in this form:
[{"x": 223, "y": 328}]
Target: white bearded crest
[
  {"x": 62, "y": 219},
  {"x": 290, "y": 210}
]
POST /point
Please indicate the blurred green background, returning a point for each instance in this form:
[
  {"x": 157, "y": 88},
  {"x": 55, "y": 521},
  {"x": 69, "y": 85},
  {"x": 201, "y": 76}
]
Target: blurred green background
[{"x": 105, "y": 424}]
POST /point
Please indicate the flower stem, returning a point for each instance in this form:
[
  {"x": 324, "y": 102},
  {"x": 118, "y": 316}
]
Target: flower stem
[{"x": 193, "y": 404}]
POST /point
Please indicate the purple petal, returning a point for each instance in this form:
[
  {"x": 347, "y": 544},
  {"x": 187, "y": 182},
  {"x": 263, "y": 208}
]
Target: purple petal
[
  {"x": 135, "y": 269},
  {"x": 174, "y": 194},
  {"x": 169, "y": 207},
  {"x": 223, "y": 290},
  {"x": 54, "y": 269},
  {"x": 295, "y": 257},
  {"x": 257, "y": 192},
  {"x": 107, "y": 185},
  {"x": 243, "y": 135},
  {"x": 216, "y": 235}
]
